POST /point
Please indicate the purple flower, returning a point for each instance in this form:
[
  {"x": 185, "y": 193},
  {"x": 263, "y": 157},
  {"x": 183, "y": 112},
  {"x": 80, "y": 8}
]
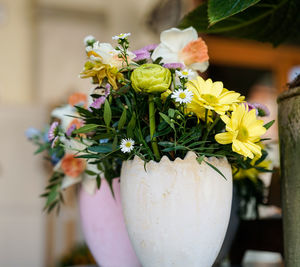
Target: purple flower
[
  {"x": 31, "y": 132},
  {"x": 262, "y": 110},
  {"x": 53, "y": 131},
  {"x": 55, "y": 142},
  {"x": 70, "y": 130},
  {"x": 98, "y": 102},
  {"x": 150, "y": 47},
  {"x": 250, "y": 107},
  {"x": 107, "y": 89},
  {"x": 174, "y": 66},
  {"x": 141, "y": 54}
]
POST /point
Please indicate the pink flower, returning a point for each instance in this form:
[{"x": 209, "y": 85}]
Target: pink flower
[
  {"x": 150, "y": 47},
  {"x": 174, "y": 66},
  {"x": 141, "y": 54},
  {"x": 98, "y": 102},
  {"x": 53, "y": 131}
]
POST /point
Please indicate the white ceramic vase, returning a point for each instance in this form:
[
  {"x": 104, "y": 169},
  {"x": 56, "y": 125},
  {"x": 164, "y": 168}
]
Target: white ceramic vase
[{"x": 176, "y": 212}]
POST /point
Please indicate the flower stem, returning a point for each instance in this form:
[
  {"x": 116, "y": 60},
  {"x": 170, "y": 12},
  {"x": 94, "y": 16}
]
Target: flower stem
[{"x": 152, "y": 127}]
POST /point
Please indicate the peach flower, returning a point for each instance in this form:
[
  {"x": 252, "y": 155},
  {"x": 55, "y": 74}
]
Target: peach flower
[
  {"x": 182, "y": 46},
  {"x": 78, "y": 99},
  {"x": 72, "y": 166}
]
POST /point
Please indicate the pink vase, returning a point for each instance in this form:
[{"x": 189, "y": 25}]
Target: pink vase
[{"x": 104, "y": 228}]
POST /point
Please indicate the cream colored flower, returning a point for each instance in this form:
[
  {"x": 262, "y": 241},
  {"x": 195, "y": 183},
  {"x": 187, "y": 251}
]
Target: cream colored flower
[
  {"x": 106, "y": 54},
  {"x": 182, "y": 46}
]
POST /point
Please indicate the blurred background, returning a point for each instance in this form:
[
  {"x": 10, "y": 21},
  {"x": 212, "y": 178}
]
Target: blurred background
[{"x": 41, "y": 55}]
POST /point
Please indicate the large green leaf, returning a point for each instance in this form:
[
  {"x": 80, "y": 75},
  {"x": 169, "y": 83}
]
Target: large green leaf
[
  {"x": 107, "y": 113},
  {"x": 220, "y": 9},
  {"x": 86, "y": 128},
  {"x": 272, "y": 21}
]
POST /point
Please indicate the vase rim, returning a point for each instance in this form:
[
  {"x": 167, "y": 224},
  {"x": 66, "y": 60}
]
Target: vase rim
[
  {"x": 188, "y": 156},
  {"x": 288, "y": 94}
]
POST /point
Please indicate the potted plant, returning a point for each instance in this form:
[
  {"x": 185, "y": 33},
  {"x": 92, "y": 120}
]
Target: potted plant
[{"x": 177, "y": 136}]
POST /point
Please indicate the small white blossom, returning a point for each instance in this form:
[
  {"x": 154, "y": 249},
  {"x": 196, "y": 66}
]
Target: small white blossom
[
  {"x": 182, "y": 96},
  {"x": 121, "y": 36},
  {"x": 89, "y": 40},
  {"x": 127, "y": 145},
  {"x": 184, "y": 73}
]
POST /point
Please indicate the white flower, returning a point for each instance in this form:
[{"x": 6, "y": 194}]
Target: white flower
[
  {"x": 182, "y": 96},
  {"x": 121, "y": 36},
  {"x": 127, "y": 145},
  {"x": 182, "y": 46},
  {"x": 105, "y": 53},
  {"x": 63, "y": 113},
  {"x": 186, "y": 73},
  {"x": 89, "y": 40}
]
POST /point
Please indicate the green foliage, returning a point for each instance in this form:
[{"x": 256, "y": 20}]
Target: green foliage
[
  {"x": 273, "y": 21},
  {"x": 53, "y": 193},
  {"x": 219, "y": 9},
  {"x": 86, "y": 128}
]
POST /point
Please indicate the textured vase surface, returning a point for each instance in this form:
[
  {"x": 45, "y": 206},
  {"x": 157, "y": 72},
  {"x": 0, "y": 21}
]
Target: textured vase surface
[
  {"x": 176, "y": 212},
  {"x": 104, "y": 228}
]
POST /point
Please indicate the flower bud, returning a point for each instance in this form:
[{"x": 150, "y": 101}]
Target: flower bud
[{"x": 151, "y": 78}]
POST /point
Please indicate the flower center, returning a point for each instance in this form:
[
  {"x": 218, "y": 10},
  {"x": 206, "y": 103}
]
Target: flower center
[
  {"x": 128, "y": 144},
  {"x": 185, "y": 73},
  {"x": 182, "y": 95},
  {"x": 242, "y": 134},
  {"x": 211, "y": 99}
]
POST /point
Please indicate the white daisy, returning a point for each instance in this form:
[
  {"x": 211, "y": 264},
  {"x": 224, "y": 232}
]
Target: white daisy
[
  {"x": 186, "y": 73},
  {"x": 127, "y": 145},
  {"x": 89, "y": 40},
  {"x": 121, "y": 36},
  {"x": 182, "y": 96}
]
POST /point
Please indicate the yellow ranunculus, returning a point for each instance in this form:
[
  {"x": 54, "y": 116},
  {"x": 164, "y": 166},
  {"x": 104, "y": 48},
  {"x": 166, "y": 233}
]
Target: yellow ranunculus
[
  {"x": 212, "y": 96},
  {"x": 151, "y": 78},
  {"x": 243, "y": 130},
  {"x": 99, "y": 71}
]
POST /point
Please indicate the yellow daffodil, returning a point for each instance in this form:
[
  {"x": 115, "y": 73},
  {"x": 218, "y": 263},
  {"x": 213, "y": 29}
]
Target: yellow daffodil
[
  {"x": 99, "y": 71},
  {"x": 251, "y": 173},
  {"x": 243, "y": 130},
  {"x": 212, "y": 96}
]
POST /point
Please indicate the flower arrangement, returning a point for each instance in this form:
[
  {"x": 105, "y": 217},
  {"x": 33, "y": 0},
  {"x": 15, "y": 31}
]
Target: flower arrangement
[{"x": 150, "y": 103}]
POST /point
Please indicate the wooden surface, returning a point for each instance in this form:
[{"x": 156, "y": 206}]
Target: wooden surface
[{"x": 289, "y": 133}]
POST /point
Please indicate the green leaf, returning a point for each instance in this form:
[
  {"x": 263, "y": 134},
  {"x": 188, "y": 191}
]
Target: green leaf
[
  {"x": 215, "y": 168},
  {"x": 98, "y": 179},
  {"x": 269, "y": 124},
  {"x": 122, "y": 120},
  {"x": 220, "y": 9},
  {"x": 273, "y": 21},
  {"x": 174, "y": 148},
  {"x": 42, "y": 148},
  {"x": 107, "y": 113},
  {"x": 200, "y": 159},
  {"x": 166, "y": 143},
  {"x": 103, "y": 148},
  {"x": 167, "y": 120},
  {"x": 52, "y": 195},
  {"x": 115, "y": 143},
  {"x": 131, "y": 126},
  {"x": 91, "y": 173},
  {"x": 86, "y": 128}
]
